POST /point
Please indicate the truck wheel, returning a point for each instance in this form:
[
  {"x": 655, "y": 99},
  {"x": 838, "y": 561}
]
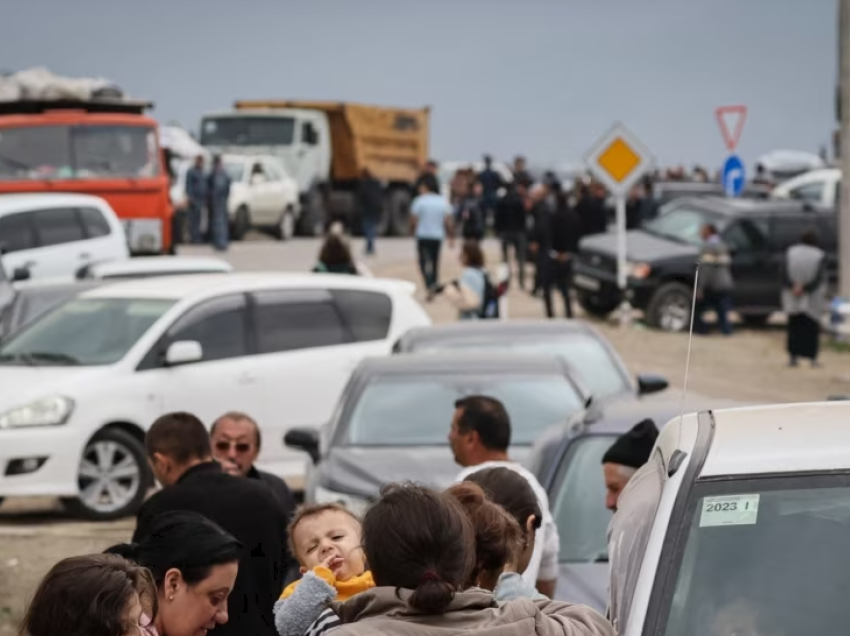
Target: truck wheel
[
  {"x": 285, "y": 229},
  {"x": 113, "y": 477},
  {"x": 397, "y": 211},
  {"x": 594, "y": 306},
  {"x": 241, "y": 224},
  {"x": 312, "y": 221},
  {"x": 670, "y": 308}
]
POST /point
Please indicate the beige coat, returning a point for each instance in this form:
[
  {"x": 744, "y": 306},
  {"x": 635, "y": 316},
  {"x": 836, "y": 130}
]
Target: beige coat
[{"x": 381, "y": 611}]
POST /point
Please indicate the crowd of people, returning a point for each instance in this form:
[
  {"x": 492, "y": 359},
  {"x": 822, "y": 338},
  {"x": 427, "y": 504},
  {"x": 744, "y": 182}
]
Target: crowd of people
[{"x": 222, "y": 546}]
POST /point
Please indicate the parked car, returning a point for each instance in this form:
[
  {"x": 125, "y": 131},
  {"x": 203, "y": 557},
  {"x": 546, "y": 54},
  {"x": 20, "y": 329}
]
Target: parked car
[
  {"x": 48, "y": 235},
  {"x": 743, "y": 522},
  {"x": 82, "y": 383},
  {"x": 146, "y": 266},
  {"x": 820, "y": 187},
  {"x": 666, "y": 191},
  {"x": 661, "y": 258},
  {"x": 31, "y": 300},
  {"x": 393, "y": 418},
  {"x": 577, "y": 342}
]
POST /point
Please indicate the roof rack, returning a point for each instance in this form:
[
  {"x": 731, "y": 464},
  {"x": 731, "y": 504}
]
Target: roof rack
[{"x": 36, "y": 107}]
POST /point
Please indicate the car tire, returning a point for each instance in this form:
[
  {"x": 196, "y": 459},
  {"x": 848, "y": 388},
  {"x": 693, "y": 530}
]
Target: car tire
[
  {"x": 285, "y": 228},
  {"x": 397, "y": 213},
  {"x": 593, "y": 306},
  {"x": 130, "y": 477},
  {"x": 312, "y": 221},
  {"x": 755, "y": 320},
  {"x": 670, "y": 308},
  {"x": 241, "y": 224}
]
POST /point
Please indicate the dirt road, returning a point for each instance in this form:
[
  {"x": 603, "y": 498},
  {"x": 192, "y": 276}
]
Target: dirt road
[{"x": 748, "y": 366}]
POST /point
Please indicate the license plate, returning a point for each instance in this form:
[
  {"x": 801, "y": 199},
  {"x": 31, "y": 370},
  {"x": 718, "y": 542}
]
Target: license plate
[{"x": 585, "y": 282}]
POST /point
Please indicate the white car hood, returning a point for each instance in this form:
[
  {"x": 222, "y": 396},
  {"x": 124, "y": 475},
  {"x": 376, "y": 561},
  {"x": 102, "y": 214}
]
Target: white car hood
[{"x": 20, "y": 385}]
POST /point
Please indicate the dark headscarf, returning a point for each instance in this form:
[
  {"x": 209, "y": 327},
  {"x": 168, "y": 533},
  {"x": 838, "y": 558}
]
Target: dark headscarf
[{"x": 633, "y": 448}]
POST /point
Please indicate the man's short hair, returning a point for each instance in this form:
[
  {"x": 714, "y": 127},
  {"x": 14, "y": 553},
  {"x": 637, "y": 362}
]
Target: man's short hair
[
  {"x": 179, "y": 436},
  {"x": 239, "y": 416},
  {"x": 487, "y": 417},
  {"x": 305, "y": 511}
]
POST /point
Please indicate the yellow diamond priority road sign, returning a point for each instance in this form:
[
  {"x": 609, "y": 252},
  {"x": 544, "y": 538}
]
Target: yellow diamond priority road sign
[{"x": 618, "y": 159}]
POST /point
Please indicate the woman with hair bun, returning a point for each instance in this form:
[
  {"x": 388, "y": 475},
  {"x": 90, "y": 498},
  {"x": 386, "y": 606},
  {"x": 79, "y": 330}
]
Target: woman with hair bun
[
  {"x": 420, "y": 546},
  {"x": 194, "y": 564}
]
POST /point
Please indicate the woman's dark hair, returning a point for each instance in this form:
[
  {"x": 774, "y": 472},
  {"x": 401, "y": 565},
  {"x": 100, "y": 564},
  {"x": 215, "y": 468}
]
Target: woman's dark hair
[
  {"x": 183, "y": 540},
  {"x": 512, "y": 492},
  {"x": 810, "y": 237},
  {"x": 89, "y": 596},
  {"x": 335, "y": 252},
  {"x": 472, "y": 254},
  {"x": 420, "y": 540},
  {"x": 497, "y": 534}
]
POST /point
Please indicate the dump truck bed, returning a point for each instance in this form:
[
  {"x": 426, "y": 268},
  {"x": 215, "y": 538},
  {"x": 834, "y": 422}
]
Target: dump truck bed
[{"x": 391, "y": 142}]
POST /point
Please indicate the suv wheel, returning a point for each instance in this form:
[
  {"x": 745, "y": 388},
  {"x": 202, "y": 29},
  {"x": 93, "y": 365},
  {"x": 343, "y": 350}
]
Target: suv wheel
[
  {"x": 285, "y": 229},
  {"x": 241, "y": 224},
  {"x": 670, "y": 308},
  {"x": 113, "y": 477}
]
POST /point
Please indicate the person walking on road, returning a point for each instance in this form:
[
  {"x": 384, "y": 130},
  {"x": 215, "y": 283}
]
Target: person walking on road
[
  {"x": 370, "y": 198},
  {"x": 521, "y": 173},
  {"x": 479, "y": 437},
  {"x": 804, "y": 297},
  {"x": 511, "y": 225},
  {"x": 431, "y": 221},
  {"x": 471, "y": 214},
  {"x": 715, "y": 283},
  {"x": 196, "y": 193},
  {"x": 491, "y": 182},
  {"x": 180, "y": 455},
  {"x": 219, "y": 218},
  {"x": 428, "y": 177},
  {"x": 591, "y": 209},
  {"x": 556, "y": 238}
]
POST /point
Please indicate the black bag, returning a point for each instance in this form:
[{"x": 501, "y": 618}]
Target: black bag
[{"x": 490, "y": 302}]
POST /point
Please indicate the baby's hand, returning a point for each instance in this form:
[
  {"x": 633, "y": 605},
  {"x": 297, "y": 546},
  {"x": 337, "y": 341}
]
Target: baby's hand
[{"x": 333, "y": 563}]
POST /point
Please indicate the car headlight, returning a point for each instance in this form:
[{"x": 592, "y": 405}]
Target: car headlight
[
  {"x": 639, "y": 270},
  {"x": 355, "y": 504},
  {"x": 50, "y": 411}
]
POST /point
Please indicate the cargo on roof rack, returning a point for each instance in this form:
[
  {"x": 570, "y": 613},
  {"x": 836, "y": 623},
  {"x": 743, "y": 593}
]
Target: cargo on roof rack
[{"x": 37, "y": 106}]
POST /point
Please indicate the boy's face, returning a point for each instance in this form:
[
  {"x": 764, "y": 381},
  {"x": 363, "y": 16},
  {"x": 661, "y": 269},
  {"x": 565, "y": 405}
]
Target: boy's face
[{"x": 331, "y": 539}]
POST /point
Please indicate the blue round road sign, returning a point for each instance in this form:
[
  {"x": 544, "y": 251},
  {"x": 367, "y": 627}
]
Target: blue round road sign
[{"x": 734, "y": 176}]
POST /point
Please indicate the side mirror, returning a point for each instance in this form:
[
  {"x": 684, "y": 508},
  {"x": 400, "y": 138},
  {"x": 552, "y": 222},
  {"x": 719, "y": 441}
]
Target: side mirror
[
  {"x": 21, "y": 273},
  {"x": 648, "y": 384},
  {"x": 304, "y": 439},
  {"x": 183, "y": 352}
]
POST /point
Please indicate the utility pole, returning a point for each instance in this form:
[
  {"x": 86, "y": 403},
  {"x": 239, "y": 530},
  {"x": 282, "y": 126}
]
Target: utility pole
[{"x": 844, "y": 96}]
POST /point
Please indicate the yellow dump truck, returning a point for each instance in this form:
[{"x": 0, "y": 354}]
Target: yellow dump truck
[{"x": 325, "y": 146}]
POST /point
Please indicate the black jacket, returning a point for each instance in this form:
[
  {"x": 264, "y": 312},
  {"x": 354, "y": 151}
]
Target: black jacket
[
  {"x": 593, "y": 214},
  {"x": 427, "y": 178},
  {"x": 510, "y": 215},
  {"x": 370, "y": 198},
  {"x": 557, "y": 229},
  {"x": 284, "y": 495},
  {"x": 250, "y": 512}
]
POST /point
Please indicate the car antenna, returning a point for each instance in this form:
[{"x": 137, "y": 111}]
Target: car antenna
[{"x": 678, "y": 455}]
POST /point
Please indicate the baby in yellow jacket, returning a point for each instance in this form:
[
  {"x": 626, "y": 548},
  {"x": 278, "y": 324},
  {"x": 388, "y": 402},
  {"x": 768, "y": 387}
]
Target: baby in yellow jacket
[{"x": 325, "y": 538}]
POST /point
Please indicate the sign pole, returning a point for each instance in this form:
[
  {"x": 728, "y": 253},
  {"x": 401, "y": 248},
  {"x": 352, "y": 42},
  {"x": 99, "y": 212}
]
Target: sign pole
[{"x": 625, "y": 307}]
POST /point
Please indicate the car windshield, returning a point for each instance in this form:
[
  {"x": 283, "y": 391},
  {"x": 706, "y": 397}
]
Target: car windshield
[
  {"x": 577, "y": 501},
  {"x": 765, "y": 556},
  {"x": 417, "y": 411},
  {"x": 78, "y": 152},
  {"x": 683, "y": 223},
  {"x": 247, "y": 131},
  {"x": 85, "y": 331},
  {"x": 31, "y": 304},
  {"x": 235, "y": 170},
  {"x": 586, "y": 353}
]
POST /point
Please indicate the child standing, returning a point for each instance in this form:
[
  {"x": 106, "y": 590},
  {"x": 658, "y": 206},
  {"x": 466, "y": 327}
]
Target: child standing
[{"x": 325, "y": 539}]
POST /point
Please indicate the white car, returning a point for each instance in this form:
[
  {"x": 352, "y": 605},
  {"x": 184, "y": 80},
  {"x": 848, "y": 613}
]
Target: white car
[
  {"x": 81, "y": 384},
  {"x": 738, "y": 525},
  {"x": 53, "y": 235},
  {"x": 262, "y": 194},
  {"x": 816, "y": 186},
  {"x": 144, "y": 266}
]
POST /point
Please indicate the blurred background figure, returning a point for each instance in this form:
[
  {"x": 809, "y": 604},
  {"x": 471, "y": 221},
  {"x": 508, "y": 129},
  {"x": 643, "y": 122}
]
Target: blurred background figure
[
  {"x": 471, "y": 213},
  {"x": 431, "y": 218},
  {"x": 218, "y": 192},
  {"x": 370, "y": 198},
  {"x": 511, "y": 225},
  {"x": 804, "y": 297},
  {"x": 196, "y": 194},
  {"x": 335, "y": 257},
  {"x": 521, "y": 174},
  {"x": 491, "y": 182}
]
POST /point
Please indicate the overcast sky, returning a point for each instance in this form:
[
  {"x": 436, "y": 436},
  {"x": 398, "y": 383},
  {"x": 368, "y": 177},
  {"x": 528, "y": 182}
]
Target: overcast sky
[{"x": 542, "y": 77}]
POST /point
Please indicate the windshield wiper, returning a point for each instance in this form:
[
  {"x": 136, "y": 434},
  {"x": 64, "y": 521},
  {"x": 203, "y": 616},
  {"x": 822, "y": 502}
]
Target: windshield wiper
[
  {"x": 602, "y": 557},
  {"x": 16, "y": 357},
  {"x": 49, "y": 356}
]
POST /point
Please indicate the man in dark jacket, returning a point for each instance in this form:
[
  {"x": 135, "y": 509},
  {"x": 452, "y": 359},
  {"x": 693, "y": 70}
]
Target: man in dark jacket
[
  {"x": 370, "y": 200},
  {"x": 428, "y": 178},
  {"x": 556, "y": 238},
  {"x": 491, "y": 182},
  {"x": 196, "y": 194},
  {"x": 592, "y": 211},
  {"x": 715, "y": 283},
  {"x": 178, "y": 447},
  {"x": 511, "y": 224}
]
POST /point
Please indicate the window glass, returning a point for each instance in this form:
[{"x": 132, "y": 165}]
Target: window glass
[
  {"x": 683, "y": 223},
  {"x": 235, "y": 170},
  {"x": 218, "y": 325},
  {"x": 744, "y": 236},
  {"x": 367, "y": 314},
  {"x": 35, "y": 152},
  {"x": 812, "y": 192},
  {"x": 85, "y": 331},
  {"x": 96, "y": 225},
  {"x": 578, "y": 503},
  {"x": 417, "y": 410},
  {"x": 247, "y": 131},
  {"x": 16, "y": 232},
  {"x": 286, "y": 322},
  {"x": 272, "y": 170},
  {"x": 57, "y": 226},
  {"x": 115, "y": 151}
]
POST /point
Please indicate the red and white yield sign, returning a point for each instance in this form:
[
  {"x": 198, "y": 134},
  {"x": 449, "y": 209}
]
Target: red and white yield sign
[{"x": 731, "y": 120}]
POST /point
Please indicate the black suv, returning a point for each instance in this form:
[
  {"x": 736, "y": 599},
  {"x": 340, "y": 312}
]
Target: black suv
[{"x": 661, "y": 257}]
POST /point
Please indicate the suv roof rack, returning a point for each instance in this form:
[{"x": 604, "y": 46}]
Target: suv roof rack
[{"x": 36, "y": 107}]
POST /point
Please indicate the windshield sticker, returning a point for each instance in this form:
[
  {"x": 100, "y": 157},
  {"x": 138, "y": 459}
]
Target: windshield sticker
[{"x": 732, "y": 510}]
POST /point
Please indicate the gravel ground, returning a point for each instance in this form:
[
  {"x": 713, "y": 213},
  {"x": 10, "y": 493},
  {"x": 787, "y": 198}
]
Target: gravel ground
[{"x": 749, "y": 366}]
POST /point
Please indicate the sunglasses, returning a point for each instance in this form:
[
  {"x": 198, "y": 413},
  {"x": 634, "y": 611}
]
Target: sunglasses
[{"x": 241, "y": 447}]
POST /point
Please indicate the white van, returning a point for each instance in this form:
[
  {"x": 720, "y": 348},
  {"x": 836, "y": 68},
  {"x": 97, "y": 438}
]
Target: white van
[{"x": 54, "y": 235}]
